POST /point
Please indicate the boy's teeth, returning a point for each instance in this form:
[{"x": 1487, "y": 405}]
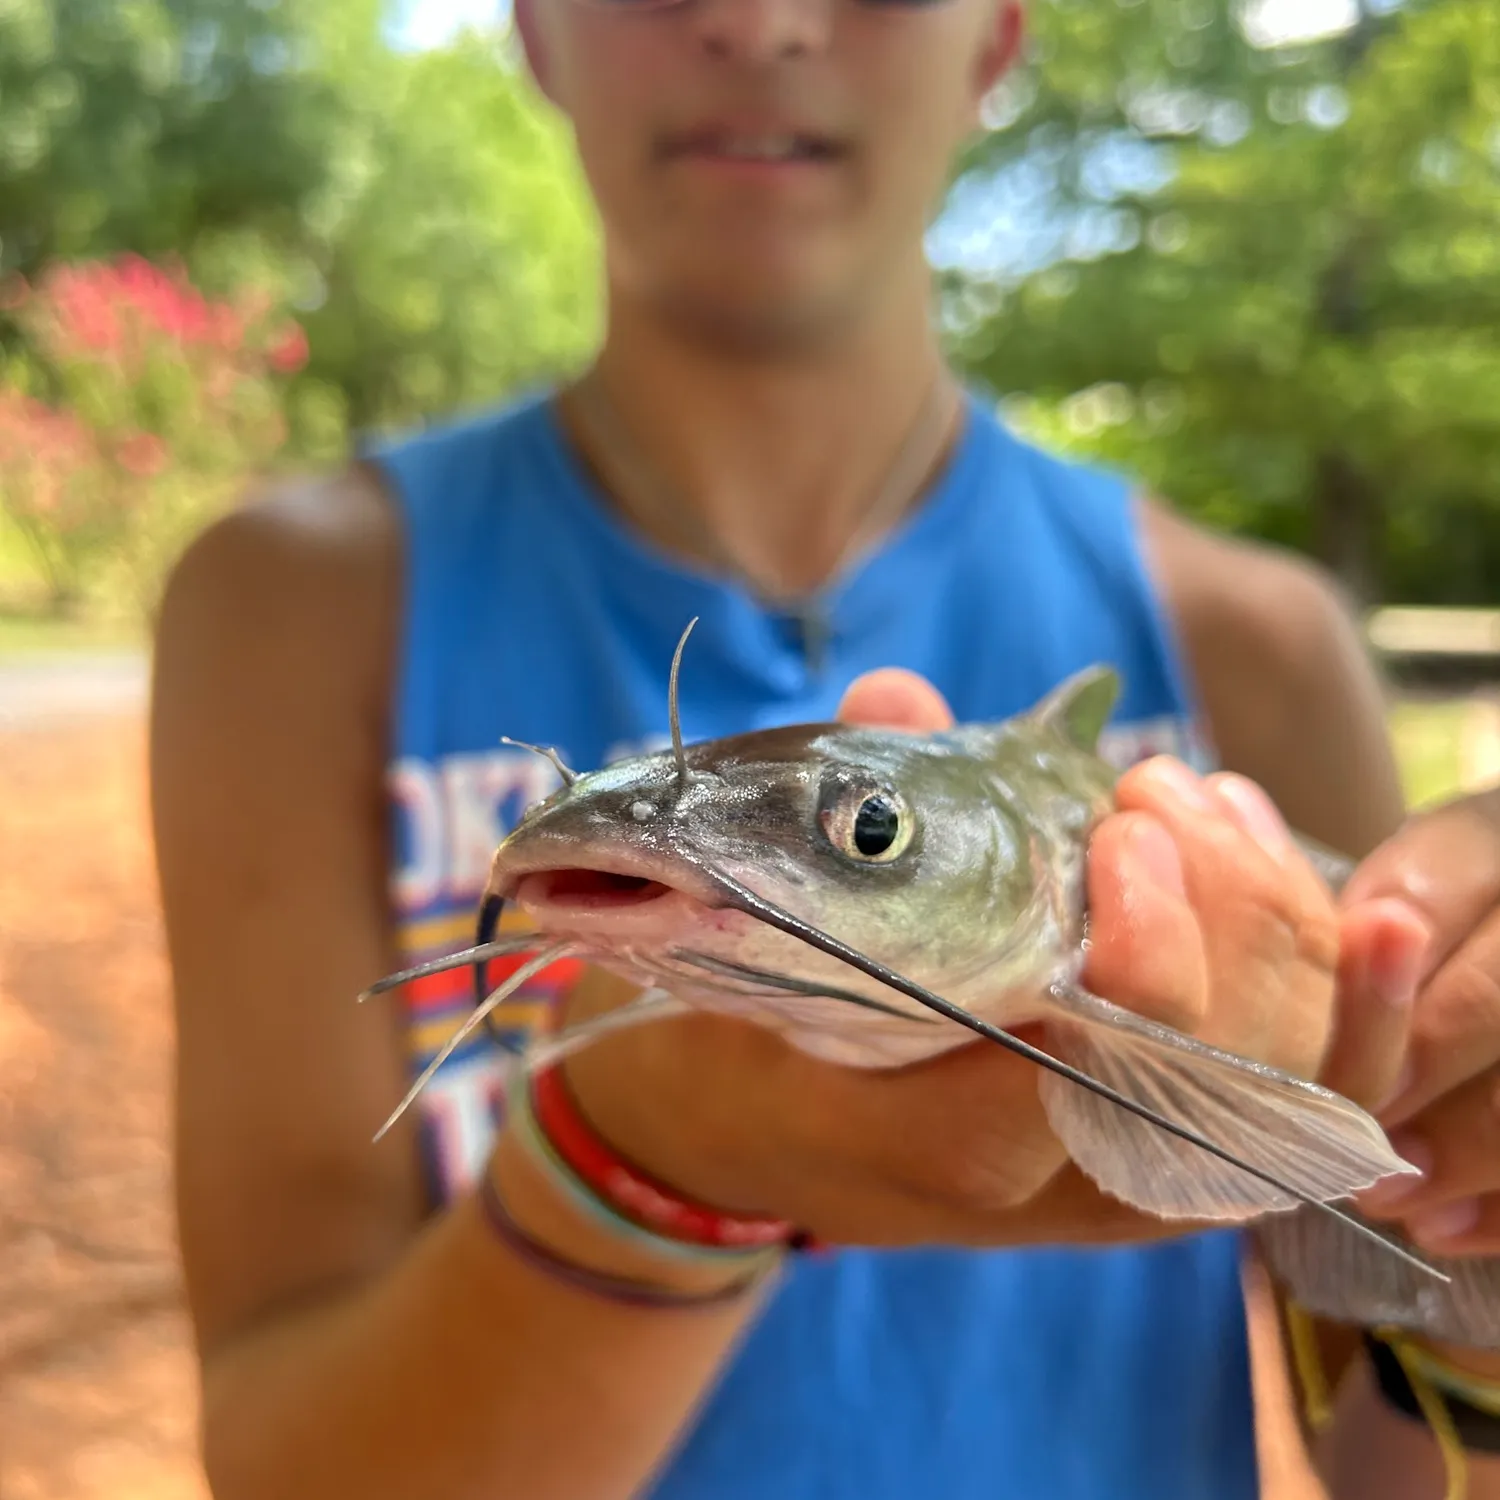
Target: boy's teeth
[{"x": 766, "y": 147}]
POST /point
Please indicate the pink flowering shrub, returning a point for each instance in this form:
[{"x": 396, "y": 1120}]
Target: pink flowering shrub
[{"x": 142, "y": 402}]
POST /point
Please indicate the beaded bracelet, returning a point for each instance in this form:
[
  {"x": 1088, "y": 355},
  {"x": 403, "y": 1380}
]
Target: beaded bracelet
[{"x": 616, "y": 1289}]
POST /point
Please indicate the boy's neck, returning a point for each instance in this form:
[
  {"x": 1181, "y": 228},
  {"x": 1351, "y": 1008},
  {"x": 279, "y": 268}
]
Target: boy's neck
[{"x": 766, "y": 467}]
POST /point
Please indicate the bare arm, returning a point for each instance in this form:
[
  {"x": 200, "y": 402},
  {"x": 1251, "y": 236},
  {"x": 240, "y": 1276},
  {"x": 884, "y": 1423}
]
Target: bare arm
[
  {"x": 348, "y": 1347},
  {"x": 1290, "y": 693}
]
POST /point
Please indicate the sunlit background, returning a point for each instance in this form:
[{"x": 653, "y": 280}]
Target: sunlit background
[
  {"x": 1250, "y": 253},
  {"x": 431, "y": 23}
]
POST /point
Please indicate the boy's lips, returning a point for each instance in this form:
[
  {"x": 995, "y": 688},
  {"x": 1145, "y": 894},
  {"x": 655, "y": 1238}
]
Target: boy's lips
[{"x": 755, "y": 149}]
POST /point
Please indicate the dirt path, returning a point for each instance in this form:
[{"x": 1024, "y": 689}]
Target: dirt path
[
  {"x": 97, "y": 1396},
  {"x": 1479, "y": 750},
  {"x": 58, "y": 687}
]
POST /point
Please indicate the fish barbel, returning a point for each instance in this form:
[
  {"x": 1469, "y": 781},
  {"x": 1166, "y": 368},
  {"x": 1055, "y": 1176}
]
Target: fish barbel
[{"x": 859, "y": 891}]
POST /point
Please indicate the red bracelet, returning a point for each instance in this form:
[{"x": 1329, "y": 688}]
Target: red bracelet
[{"x": 635, "y": 1195}]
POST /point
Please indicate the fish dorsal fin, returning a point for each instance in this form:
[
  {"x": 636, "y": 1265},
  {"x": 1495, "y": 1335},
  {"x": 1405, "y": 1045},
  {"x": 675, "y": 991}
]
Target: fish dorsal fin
[{"x": 1080, "y": 707}]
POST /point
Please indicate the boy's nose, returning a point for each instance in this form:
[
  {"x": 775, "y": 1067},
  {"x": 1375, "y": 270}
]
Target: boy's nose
[{"x": 761, "y": 31}]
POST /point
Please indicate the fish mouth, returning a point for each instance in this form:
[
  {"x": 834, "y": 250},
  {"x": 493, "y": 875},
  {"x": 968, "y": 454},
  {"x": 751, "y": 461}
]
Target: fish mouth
[
  {"x": 613, "y": 903},
  {"x": 582, "y": 889}
]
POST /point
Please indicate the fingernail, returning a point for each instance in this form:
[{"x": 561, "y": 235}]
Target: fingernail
[
  {"x": 1255, "y": 813},
  {"x": 1450, "y": 1222},
  {"x": 1394, "y": 976},
  {"x": 1184, "y": 783},
  {"x": 1155, "y": 852},
  {"x": 1394, "y": 1190},
  {"x": 1398, "y": 957}
]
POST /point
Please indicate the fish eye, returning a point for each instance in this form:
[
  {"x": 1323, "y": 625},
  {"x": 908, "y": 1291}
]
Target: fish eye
[{"x": 873, "y": 826}]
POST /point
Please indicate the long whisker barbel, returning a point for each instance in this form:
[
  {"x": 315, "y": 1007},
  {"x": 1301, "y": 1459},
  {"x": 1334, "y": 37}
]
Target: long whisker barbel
[
  {"x": 793, "y": 986},
  {"x": 491, "y": 909},
  {"x": 770, "y": 913},
  {"x": 523, "y": 942},
  {"x": 674, "y": 718},
  {"x": 547, "y": 752},
  {"x": 546, "y": 1051},
  {"x": 543, "y": 960}
]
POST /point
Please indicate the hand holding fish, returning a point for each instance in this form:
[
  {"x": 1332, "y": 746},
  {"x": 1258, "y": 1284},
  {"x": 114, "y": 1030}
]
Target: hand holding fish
[
  {"x": 1411, "y": 1029},
  {"x": 1426, "y": 1023},
  {"x": 1206, "y": 916},
  {"x": 1445, "y": 1113},
  {"x": 1443, "y": 1109},
  {"x": 1419, "y": 1034}
]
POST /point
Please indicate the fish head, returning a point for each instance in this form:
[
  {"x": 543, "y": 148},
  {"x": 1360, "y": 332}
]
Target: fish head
[{"x": 900, "y": 846}]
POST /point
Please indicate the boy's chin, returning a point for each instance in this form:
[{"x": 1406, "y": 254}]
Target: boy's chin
[{"x": 766, "y": 313}]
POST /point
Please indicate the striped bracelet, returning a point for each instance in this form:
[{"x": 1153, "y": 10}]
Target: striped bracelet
[{"x": 616, "y": 1289}]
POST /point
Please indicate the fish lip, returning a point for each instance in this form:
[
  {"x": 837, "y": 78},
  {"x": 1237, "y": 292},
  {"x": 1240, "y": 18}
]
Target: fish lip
[
  {"x": 684, "y": 895},
  {"x": 513, "y": 864},
  {"x": 658, "y": 921}
]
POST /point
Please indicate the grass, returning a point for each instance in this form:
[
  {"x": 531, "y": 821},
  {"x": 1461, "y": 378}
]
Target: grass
[
  {"x": 28, "y": 635},
  {"x": 1428, "y": 738},
  {"x": 25, "y": 631}
]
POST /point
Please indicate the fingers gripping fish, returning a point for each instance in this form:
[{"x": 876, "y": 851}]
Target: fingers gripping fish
[
  {"x": 872, "y": 895},
  {"x": 1330, "y": 1270}
]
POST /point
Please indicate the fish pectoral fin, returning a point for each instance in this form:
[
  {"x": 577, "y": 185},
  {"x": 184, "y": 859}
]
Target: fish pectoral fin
[
  {"x": 1309, "y": 1138},
  {"x": 1334, "y": 1272}
]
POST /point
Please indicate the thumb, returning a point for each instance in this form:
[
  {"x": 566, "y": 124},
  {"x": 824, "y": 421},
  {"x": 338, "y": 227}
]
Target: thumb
[{"x": 893, "y": 698}]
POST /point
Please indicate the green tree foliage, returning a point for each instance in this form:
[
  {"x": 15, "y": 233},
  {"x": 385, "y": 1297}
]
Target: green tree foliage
[
  {"x": 1262, "y": 278},
  {"x": 419, "y": 210},
  {"x": 141, "y": 124},
  {"x": 454, "y": 255},
  {"x": 1274, "y": 274}
]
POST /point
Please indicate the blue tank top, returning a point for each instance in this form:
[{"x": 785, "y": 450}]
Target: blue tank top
[{"x": 532, "y": 611}]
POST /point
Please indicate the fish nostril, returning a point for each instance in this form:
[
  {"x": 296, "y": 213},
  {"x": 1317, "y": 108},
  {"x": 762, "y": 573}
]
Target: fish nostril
[{"x": 643, "y": 812}]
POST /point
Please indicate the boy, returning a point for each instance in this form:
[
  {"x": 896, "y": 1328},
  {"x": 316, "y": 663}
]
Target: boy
[{"x": 769, "y": 440}]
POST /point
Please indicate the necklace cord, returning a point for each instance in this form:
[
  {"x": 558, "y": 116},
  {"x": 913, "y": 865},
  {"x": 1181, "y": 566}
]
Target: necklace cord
[{"x": 917, "y": 452}]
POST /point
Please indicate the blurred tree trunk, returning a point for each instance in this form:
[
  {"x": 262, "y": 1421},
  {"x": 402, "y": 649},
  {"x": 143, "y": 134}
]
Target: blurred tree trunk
[
  {"x": 1348, "y": 526},
  {"x": 1348, "y": 520}
]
